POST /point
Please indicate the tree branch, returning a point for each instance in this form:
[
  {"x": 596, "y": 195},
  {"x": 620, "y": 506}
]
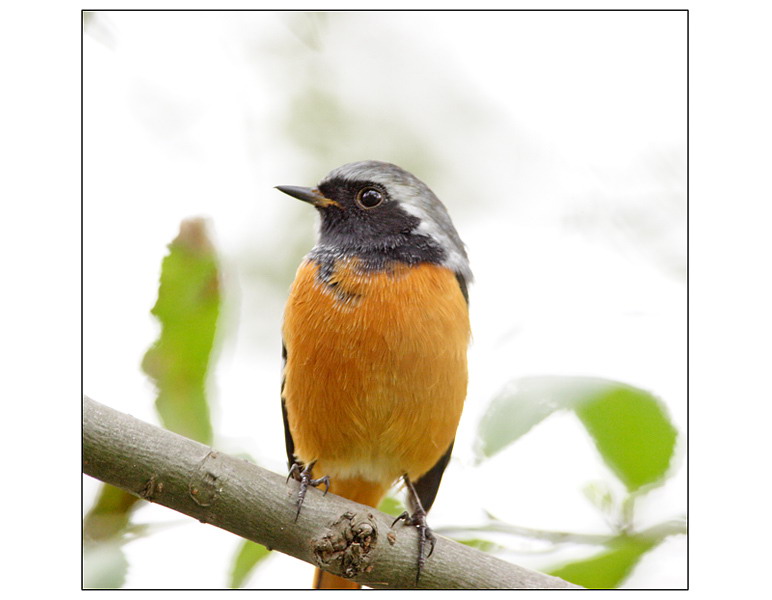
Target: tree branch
[{"x": 339, "y": 535}]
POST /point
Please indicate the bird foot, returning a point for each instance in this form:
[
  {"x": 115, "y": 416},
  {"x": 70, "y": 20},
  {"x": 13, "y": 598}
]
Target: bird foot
[
  {"x": 303, "y": 475},
  {"x": 418, "y": 519}
]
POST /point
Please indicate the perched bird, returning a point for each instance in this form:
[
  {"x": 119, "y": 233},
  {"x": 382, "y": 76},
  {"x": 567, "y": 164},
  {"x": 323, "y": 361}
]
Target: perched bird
[{"x": 375, "y": 335}]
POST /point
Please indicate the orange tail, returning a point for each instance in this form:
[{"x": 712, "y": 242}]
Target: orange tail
[
  {"x": 364, "y": 492},
  {"x": 328, "y": 581}
]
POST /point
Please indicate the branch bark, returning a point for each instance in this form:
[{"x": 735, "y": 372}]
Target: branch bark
[{"x": 341, "y": 536}]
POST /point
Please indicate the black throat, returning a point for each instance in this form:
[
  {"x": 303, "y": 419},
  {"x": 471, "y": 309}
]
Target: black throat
[{"x": 377, "y": 237}]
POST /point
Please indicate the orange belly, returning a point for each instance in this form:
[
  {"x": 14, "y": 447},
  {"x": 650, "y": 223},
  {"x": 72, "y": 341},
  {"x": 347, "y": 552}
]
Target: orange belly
[{"x": 376, "y": 373}]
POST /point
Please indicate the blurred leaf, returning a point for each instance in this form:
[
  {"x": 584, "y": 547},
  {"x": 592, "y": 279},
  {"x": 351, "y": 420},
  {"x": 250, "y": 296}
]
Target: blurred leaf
[
  {"x": 524, "y": 403},
  {"x": 629, "y": 426},
  {"x": 188, "y": 306},
  {"x": 391, "y": 506},
  {"x": 632, "y": 431},
  {"x": 308, "y": 27},
  {"x": 480, "y": 544},
  {"x": 248, "y": 557},
  {"x": 104, "y": 565},
  {"x": 609, "y": 568},
  {"x": 110, "y": 513},
  {"x": 601, "y": 496}
]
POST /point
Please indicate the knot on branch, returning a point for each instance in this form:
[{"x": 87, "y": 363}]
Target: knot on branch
[
  {"x": 203, "y": 486},
  {"x": 152, "y": 488},
  {"x": 346, "y": 548}
]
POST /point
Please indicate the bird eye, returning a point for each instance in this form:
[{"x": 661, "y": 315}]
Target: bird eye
[{"x": 369, "y": 197}]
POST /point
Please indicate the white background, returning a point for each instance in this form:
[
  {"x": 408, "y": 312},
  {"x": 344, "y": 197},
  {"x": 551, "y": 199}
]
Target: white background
[
  {"x": 560, "y": 145},
  {"x": 727, "y": 216}
]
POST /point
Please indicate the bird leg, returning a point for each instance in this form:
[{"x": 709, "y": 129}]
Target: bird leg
[
  {"x": 418, "y": 518},
  {"x": 303, "y": 475}
]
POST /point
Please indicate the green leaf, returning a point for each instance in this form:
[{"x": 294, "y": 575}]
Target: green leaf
[
  {"x": 632, "y": 432},
  {"x": 248, "y": 557},
  {"x": 609, "y": 568},
  {"x": 630, "y": 426},
  {"x": 188, "y": 306},
  {"x": 391, "y": 506},
  {"x": 110, "y": 514}
]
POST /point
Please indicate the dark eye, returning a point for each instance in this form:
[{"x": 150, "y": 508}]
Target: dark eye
[{"x": 369, "y": 197}]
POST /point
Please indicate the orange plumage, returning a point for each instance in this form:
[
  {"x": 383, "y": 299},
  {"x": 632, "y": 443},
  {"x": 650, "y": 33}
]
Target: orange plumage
[{"x": 376, "y": 373}]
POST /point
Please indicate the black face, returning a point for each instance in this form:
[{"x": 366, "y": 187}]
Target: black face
[{"x": 371, "y": 225}]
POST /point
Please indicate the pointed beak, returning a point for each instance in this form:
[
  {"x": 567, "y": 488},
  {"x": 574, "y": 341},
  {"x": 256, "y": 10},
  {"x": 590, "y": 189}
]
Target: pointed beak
[{"x": 309, "y": 195}]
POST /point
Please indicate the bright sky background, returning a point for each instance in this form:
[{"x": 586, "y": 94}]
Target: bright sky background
[
  {"x": 730, "y": 247},
  {"x": 557, "y": 142}
]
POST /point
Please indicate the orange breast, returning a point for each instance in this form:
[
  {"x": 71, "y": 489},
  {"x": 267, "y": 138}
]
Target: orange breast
[{"x": 376, "y": 372}]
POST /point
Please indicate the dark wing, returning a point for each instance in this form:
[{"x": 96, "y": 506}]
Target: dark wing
[
  {"x": 428, "y": 485},
  {"x": 463, "y": 285},
  {"x": 288, "y": 441}
]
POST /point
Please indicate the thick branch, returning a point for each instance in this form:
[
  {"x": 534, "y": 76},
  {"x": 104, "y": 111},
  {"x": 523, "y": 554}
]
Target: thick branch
[{"x": 240, "y": 497}]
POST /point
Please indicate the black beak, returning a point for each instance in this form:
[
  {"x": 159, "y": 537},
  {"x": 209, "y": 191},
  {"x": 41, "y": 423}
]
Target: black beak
[{"x": 305, "y": 194}]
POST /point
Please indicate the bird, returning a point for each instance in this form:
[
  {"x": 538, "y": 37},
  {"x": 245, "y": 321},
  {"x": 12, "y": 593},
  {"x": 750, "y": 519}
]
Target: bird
[{"x": 374, "y": 344}]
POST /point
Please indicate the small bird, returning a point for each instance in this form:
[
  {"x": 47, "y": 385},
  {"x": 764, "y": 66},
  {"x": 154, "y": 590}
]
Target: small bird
[{"x": 375, "y": 336}]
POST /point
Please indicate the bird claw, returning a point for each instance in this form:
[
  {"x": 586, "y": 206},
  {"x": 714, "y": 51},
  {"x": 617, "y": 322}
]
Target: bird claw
[
  {"x": 303, "y": 476},
  {"x": 418, "y": 520}
]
